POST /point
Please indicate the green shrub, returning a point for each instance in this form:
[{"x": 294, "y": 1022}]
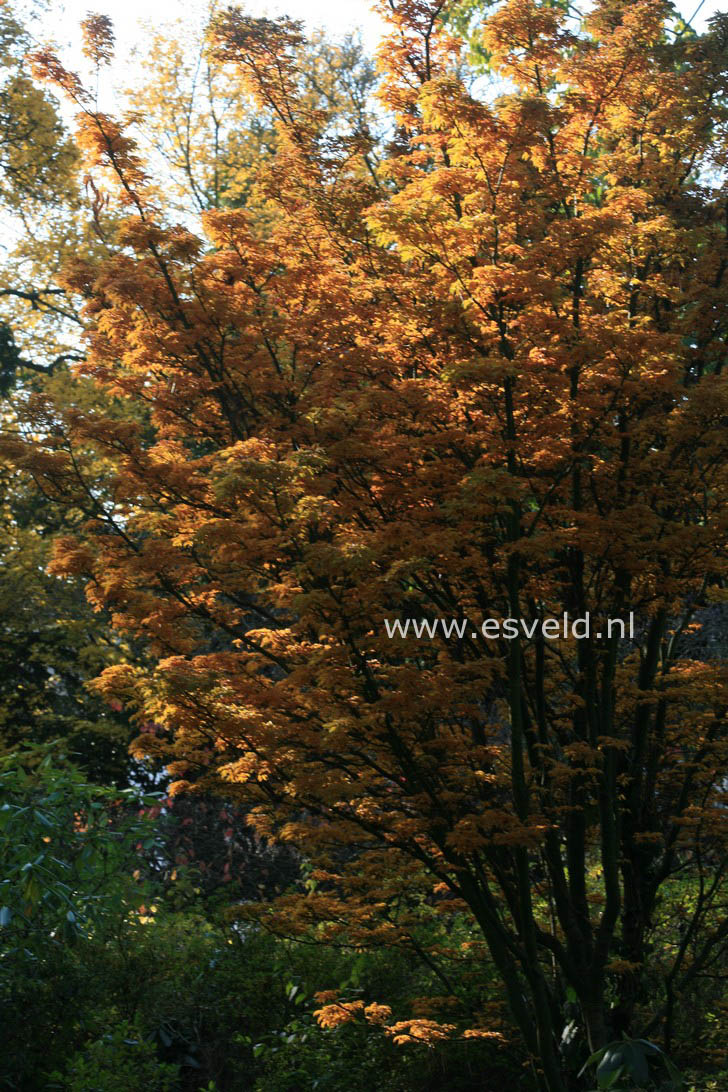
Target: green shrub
[{"x": 120, "y": 1061}]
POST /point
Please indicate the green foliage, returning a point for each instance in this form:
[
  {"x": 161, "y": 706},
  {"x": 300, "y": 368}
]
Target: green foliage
[
  {"x": 68, "y": 849},
  {"x": 221, "y": 1006},
  {"x": 51, "y": 643},
  {"x": 465, "y": 18},
  {"x": 102, "y": 994},
  {"x": 354, "y": 1058},
  {"x": 634, "y": 1063},
  {"x": 40, "y": 196},
  {"x": 64, "y": 843},
  {"x": 36, "y": 157},
  {"x": 121, "y": 1060}
]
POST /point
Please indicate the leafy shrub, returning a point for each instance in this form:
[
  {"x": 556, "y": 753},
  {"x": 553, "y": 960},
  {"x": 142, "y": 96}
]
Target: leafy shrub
[
  {"x": 634, "y": 1063},
  {"x": 118, "y": 1062}
]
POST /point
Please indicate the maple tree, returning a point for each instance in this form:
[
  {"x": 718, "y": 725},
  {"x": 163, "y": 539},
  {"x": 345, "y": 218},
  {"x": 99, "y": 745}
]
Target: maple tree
[
  {"x": 482, "y": 377},
  {"x": 51, "y": 641}
]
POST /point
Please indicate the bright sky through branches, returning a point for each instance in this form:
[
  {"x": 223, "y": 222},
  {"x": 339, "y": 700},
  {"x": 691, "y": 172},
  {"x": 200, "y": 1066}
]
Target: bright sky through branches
[{"x": 336, "y": 16}]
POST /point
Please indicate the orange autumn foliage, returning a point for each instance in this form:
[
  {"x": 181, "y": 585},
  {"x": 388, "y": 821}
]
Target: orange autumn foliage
[{"x": 485, "y": 378}]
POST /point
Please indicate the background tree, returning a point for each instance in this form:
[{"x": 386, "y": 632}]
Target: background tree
[
  {"x": 41, "y": 208},
  {"x": 206, "y": 133},
  {"x": 52, "y": 642}
]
